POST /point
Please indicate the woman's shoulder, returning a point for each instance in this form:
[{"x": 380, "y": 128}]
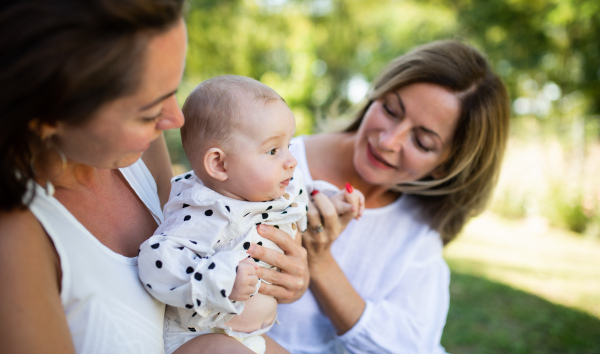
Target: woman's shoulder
[
  {"x": 19, "y": 225},
  {"x": 24, "y": 244}
]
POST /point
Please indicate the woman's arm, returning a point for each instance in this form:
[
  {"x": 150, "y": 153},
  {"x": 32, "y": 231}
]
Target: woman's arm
[
  {"x": 340, "y": 301},
  {"x": 408, "y": 317},
  {"x": 291, "y": 281},
  {"x": 158, "y": 162},
  {"x": 32, "y": 315}
]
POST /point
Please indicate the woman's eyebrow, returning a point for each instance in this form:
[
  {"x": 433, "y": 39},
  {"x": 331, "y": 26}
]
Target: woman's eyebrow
[
  {"x": 158, "y": 100},
  {"x": 400, "y": 101}
]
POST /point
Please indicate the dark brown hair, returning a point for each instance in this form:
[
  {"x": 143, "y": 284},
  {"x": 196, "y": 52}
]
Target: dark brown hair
[
  {"x": 60, "y": 61},
  {"x": 480, "y": 137}
]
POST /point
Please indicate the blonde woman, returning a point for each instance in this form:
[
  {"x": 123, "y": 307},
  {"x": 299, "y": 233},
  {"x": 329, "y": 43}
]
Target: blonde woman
[{"x": 425, "y": 150}]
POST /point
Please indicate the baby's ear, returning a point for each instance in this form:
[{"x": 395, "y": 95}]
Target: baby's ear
[{"x": 214, "y": 164}]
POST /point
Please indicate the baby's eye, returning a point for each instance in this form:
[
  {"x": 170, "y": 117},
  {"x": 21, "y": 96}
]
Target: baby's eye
[{"x": 272, "y": 151}]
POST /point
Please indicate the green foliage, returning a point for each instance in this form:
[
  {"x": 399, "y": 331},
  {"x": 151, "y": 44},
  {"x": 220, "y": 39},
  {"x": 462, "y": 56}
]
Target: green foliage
[{"x": 320, "y": 54}]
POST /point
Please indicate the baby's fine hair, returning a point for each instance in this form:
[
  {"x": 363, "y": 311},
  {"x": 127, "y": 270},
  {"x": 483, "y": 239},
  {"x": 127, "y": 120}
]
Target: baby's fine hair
[{"x": 215, "y": 107}]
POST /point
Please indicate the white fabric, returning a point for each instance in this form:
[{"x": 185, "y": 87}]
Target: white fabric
[
  {"x": 395, "y": 263},
  {"x": 107, "y": 308},
  {"x": 190, "y": 263},
  {"x": 175, "y": 335}
]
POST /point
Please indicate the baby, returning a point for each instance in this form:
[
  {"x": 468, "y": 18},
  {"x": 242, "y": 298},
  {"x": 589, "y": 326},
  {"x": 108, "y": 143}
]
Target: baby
[{"x": 236, "y": 137}]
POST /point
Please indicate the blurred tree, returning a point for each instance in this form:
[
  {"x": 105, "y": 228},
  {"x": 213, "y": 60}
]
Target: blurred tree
[{"x": 319, "y": 52}]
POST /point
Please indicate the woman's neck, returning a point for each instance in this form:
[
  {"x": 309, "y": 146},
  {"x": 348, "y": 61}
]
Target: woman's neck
[
  {"x": 78, "y": 177},
  {"x": 331, "y": 158}
]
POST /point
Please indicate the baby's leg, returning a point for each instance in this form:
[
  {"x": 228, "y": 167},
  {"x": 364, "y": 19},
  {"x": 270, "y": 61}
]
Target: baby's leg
[
  {"x": 214, "y": 343},
  {"x": 273, "y": 347}
]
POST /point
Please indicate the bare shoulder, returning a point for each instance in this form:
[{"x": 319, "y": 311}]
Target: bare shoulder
[
  {"x": 30, "y": 293},
  {"x": 24, "y": 244},
  {"x": 20, "y": 228}
]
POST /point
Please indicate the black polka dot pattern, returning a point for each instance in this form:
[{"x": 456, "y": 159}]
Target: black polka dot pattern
[
  {"x": 227, "y": 207},
  {"x": 155, "y": 246},
  {"x": 187, "y": 217},
  {"x": 208, "y": 212},
  {"x": 188, "y": 176},
  {"x": 265, "y": 215},
  {"x": 223, "y": 293},
  {"x": 185, "y": 205},
  {"x": 270, "y": 207},
  {"x": 212, "y": 266},
  {"x": 189, "y": 306},
  {"x": 198, "y": 276},
  {"x": 192, "y": 329},
  {"x": 198, "y": 302},
  {"x": 158, "y": 264},
  {"x": 246, "y": 245},
  {"x": 189, "y": 270}
]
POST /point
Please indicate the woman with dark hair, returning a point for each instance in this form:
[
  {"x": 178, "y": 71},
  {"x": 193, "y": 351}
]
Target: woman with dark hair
[
  {"x": 425, "y": 150},
  {"x": 87, "y": 89}
]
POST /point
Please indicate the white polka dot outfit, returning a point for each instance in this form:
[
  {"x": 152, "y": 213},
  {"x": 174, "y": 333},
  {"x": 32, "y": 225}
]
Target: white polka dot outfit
[{"x": 190, "y": 263}]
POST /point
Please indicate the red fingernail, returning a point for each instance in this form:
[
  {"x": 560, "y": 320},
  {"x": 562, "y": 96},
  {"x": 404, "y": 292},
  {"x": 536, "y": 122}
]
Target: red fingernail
[
  {"x": 349, "y": 188},
  {"x": 315, "y": 192}
]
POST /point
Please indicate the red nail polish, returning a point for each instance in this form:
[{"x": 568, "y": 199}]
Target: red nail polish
[
  {"x": 315, "y": 192},
  {"x": 349, "y": 188}
]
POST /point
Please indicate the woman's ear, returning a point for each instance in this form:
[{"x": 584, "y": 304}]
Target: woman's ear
[
  {"x": 214, "y": 164},
  {"x": 440, "y": 172}
]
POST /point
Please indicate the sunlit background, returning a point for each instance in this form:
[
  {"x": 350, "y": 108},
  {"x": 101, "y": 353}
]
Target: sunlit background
[{"x": 528, "y": 270}]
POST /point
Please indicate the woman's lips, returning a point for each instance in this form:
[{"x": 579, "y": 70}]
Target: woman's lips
[
  {"x": 286, "y": 182},
  {"x": 376, "y": 159}
]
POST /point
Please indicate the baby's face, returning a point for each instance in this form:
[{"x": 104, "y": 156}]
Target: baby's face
[{"x": 259, "y": 161}]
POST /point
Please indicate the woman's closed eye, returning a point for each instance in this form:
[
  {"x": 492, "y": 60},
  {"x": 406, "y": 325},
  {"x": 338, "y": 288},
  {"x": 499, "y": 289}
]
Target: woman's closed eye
[
  {"x": 152, "y": 118},
  {"x": 423, "y": 144},
  {"x": 392, "y": 111}
]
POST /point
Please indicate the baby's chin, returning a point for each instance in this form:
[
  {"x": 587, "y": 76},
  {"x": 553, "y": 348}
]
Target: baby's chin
[{"x": 268, "y": 198}]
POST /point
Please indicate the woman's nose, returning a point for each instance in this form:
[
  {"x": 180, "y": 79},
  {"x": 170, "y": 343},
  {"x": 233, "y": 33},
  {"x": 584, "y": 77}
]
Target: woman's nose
[
  {"x": 394, "y": 137},
  {"x": 172, "y": 116}
]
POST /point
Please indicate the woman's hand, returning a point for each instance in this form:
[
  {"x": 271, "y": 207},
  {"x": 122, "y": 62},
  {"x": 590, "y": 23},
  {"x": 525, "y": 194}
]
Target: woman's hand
[
  {"x": 291, "y": 281},
  {"x": 324, "y": 226}
]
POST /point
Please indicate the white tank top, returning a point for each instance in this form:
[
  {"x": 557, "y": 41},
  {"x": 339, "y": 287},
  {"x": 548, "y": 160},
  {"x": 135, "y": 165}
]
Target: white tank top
[{"x": 106, "y": 306}]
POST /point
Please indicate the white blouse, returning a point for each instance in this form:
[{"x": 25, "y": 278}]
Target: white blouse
[
  {"x": 107, "y": 308},
  {"x": 394, "y": 261}
]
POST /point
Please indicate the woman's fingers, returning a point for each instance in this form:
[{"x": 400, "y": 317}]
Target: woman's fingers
[
  {"x": 291, "y": 281},
  {"x": 327, "y": 218}
]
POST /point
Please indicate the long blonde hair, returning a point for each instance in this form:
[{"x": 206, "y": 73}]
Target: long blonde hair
[{"x": 480, "y": 137}]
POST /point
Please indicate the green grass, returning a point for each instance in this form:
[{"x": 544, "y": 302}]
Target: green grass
[{"x": 522, "y": 287}]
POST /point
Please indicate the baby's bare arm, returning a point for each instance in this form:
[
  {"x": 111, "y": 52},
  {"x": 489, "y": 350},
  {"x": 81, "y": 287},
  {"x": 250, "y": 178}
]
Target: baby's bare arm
[{"x": 349, "y": 203}]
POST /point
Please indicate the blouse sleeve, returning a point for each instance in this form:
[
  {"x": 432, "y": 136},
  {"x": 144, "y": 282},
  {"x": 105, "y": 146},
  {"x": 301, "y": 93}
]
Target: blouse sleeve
[{"x": 410, "y": 319}]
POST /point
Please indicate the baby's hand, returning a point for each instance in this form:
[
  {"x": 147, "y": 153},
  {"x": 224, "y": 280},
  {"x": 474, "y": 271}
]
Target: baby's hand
[
  {"x": 349, "y": 202},
  {"x": 245, "y": 280}
]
